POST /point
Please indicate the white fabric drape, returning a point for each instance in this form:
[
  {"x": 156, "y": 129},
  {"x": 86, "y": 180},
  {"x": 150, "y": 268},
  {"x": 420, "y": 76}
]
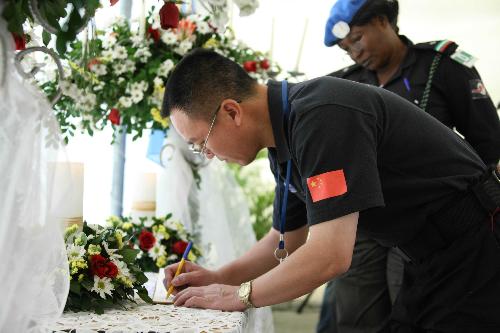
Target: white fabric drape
[
  {"x": 33, "y": 266},
  {"x": 218, "y": 211}
]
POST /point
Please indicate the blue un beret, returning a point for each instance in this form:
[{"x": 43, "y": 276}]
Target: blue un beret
[{"x": 341, "y": 14}]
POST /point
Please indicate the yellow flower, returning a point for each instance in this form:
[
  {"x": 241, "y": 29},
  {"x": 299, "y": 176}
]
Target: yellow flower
[
  {"x": 76, "y": 265},
  {"x": 161, "y": 261},
  {"x": 80, "y": 277},
  {"x": 126, "y": 225},
  {"x": 94, "y": 249},
  {"x": 212, "y": 43},
  {"x": 119, "y": 239},
  {"x": 192, "y": 257},
  {"x": 125, "y": 281},
  {"x": 155, "y": 112},
  {"x": 162, "y": 230},
  {"x": 70, "y": 230},
  {"x": 114, "y": 221}
]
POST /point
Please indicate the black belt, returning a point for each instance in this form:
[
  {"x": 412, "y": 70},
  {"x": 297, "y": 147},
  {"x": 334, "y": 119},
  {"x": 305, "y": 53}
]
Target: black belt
[{"x": 479, "y": 204}]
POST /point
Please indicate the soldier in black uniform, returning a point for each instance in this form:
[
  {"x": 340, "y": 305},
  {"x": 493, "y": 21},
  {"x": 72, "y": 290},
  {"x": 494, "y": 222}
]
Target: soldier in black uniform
[
  {"x": 439, "y": 79},
  {"x": 346, "y": 156}
]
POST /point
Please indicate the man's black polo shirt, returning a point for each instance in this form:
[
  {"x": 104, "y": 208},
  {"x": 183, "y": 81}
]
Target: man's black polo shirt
[{"x": 370, "y": 151}]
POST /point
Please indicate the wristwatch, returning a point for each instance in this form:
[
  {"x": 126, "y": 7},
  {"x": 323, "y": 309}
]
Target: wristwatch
[{"x": 244, "y": 294}]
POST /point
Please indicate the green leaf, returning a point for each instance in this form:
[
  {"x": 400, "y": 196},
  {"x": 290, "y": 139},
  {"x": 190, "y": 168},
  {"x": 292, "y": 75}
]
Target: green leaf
[
  {"x": 74, "y": 287},
  {"x": 143, "y": 294},
  {"x": 46, "y": 37},
  {"x": 129, "y": 255},
  {"x": 61, "y": 44}
]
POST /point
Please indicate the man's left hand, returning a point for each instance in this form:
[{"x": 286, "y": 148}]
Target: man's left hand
[{"x": 214, "y": 296}]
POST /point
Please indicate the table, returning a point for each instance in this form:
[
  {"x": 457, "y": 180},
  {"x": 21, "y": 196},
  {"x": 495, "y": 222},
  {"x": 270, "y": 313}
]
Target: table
[{"x": 154, "y": 318}]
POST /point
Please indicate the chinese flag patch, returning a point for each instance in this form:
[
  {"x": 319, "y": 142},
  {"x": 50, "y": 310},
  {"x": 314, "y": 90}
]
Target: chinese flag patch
[{"x": 327, "y": 185}]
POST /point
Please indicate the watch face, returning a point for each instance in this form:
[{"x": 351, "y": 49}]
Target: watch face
[{"x": 244, "y": 290}]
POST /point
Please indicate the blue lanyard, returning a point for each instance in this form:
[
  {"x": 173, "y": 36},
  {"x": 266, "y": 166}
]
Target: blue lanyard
[{"x": 286, "y": 110}]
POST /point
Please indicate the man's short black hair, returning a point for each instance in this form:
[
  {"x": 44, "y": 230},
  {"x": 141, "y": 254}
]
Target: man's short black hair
[
  {"x": 377, "y": 8},
  {"x": 201, "y": 81}
]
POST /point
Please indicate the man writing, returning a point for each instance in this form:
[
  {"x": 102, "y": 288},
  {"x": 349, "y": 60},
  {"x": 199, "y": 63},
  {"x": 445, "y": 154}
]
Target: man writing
[{"x": 346, "y": 157}]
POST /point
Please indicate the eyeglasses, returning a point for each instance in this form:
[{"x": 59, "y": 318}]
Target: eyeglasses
[{"x": 200, "y": 149}]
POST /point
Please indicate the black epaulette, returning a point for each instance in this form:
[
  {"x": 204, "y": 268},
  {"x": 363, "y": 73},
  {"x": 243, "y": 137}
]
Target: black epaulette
[
  {"x": 346, "y": 71},
  {"x": 450, "y": 49}
]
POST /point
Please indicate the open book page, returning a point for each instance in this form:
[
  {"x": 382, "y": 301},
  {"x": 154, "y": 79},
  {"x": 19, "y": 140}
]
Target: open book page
[{"x": 160, "y": 292}]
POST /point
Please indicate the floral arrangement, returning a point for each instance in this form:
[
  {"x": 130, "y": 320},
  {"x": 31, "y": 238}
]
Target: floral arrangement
[
  {"x": 104, "y": 272},
  {"x": 160, "y": 241},
  {"x": 119, "y": 77}
]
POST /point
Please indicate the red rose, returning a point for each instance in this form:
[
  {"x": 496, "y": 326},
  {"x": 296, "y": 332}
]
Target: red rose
[
  {"x": 98, "y": 265},
  {"x": 114, "y": 116},
  {"x": 113, "y": 2},
  {"x": 264, "y": 64},
  {"x": 250, "y": 66},
  {"x": 179, "y": 247},
  {"x": 20, "y": 41},
  {"x": 146, "y": 240},
  {"x": 169, "y": 15},
  {"x": 111, "y": 270},
  {"x": 154, "y": 33}
]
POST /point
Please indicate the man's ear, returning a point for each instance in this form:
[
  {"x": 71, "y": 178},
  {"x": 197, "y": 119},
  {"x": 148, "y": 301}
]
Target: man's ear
[{"x": 233, "y": 109}]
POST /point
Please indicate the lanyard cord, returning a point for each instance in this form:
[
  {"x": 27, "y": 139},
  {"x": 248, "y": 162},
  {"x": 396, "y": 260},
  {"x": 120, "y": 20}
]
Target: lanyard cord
[{"x": 284, "y": 98}]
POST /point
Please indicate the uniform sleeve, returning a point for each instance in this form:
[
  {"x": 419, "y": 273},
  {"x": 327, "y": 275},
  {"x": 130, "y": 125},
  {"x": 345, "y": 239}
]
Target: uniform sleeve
[
  {"x": 296, "y": 216},
  {"x": 336, "y": 151},
  {"x": 474, "y": 113}
]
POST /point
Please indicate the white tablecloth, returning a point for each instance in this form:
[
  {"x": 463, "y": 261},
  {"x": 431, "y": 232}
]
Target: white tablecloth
[{"x": 155, "y": 318}]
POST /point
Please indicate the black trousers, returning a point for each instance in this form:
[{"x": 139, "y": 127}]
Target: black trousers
[{"x": 457, "y": 289}]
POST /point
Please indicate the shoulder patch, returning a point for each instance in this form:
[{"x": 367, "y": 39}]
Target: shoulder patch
[{"x": 450, "y": 48}]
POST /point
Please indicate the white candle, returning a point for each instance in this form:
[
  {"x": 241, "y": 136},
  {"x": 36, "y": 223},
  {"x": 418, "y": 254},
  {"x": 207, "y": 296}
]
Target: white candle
[
  {"x": 144, "y": 198},
  {"x": 301, "y": 46}
]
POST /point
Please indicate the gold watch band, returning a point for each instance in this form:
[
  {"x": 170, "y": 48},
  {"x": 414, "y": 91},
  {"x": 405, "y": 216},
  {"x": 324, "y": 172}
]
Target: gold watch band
[{"x": 244, "y": 293}]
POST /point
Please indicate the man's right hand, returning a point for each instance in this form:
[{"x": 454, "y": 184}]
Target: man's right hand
[{"x": 192, "y": 275}]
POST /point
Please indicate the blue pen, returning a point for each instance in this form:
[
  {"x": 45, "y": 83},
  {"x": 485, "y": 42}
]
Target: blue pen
[
  {"x": 407, "y": 84},
  {"x": 179, "y": 268}
]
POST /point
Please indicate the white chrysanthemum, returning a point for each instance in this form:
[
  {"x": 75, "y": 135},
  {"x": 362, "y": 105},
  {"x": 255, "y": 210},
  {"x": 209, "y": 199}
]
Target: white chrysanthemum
[
  {"x": 136, "y": 40},
  {"x": 130, "y": 65},
  {"x": 119, "y": 68},
  {"x": 168, "y": 37},
  {"x": 136, "y": 96},
  {"x": 99, "y": 86},
  {"x": 125, "y": 101},
  {"x": 139, "y": 86},
  {"x": 123, "y": 269},
  {"x": 109, "y": 41},
  {"x": 119, "y": 52},
  {"x": 102, "y": 286},
  {"x": 75, "y": 252},
  {"x": 165, "y": 68},
  {"x": 157, "y": 251},
  {"x": 108, "y": 54},
  {"x": 184, "y": 47},
  {"x": 143, "y": 54},
  {"x": 203, "y": 27},
  {"x": 99, "y": 69},
  {"x": 120, "y": 20},
  {"x": 158, "y": 82}
]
